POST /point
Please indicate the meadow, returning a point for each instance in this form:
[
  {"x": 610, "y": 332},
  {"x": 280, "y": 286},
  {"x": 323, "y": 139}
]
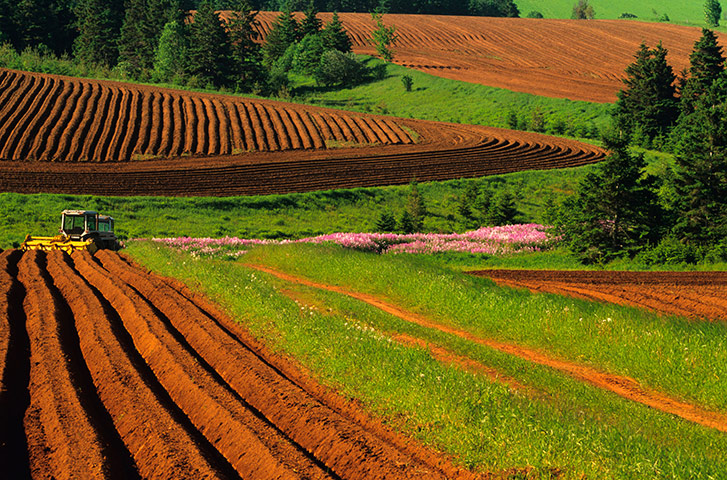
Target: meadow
[
  {"x": 492, "y": 411},
  {"x": 685, "y": 13}
]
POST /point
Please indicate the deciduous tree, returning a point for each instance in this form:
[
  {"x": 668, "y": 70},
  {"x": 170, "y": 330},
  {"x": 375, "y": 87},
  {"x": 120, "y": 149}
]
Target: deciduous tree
[
  {"x": 384, "y": 37},
  {"x": 712, "y": 12}
]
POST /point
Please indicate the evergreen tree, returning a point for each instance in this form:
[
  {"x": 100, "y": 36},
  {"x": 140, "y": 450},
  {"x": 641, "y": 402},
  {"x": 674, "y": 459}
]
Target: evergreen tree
[
  {"x": 210, "y": 57},
  {"x": 503, "y": 210},
  {"x": 614, "y": 211},
  {"x": 415, "y": 206},
  {"x": 383, "y": 37},
  {"x": 170, "y": 56},
  {"x": 98, "y": 31},
  {"x": 136, "y": 44},
  {"x": 386, "y": 222},
  {"x": 706, "y": 63},
  {"x": 701, "y": 168},
  {"x": 311, "y": 24},
  {"x": 247, "y": 54},
  {"x": 712, "y": 12},
  {"x": 8, "y": 31},
  {"x": 283, "y": 33},
  {"x": 307, "y": 54},
  {"x": 42, "y": 22},
  {"x": 406, "y": 223},
  {"x": 335, "y": 36},
  {"x": 648, "y": 104}
]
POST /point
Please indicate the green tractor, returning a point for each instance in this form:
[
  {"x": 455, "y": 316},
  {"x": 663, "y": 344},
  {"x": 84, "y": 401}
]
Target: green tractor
[{"x": 80, "y": 230}]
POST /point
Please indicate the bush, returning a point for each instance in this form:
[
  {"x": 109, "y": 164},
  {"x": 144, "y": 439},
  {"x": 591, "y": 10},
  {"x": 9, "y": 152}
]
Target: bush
[
  {"x": 338, "y": 68},
  {"x": 670, "y": 251},
  {"x": 534, "y": 14},
  {"x": 627, "y": 15},
  {"x": 407, "y": 81}
]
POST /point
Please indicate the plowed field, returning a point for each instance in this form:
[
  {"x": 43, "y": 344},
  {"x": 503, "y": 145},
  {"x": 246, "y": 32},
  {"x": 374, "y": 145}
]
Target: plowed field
[
  {"x": 48, "y": 125},
  {"x": 44, "y": 117},
  {"x": 111, "y": 372},
  {"x": 576, "y": 59},
  {"x": 691, "y": 294}
]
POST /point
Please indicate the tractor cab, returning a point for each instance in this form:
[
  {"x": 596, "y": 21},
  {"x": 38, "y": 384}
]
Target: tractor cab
[{"x": 79, "y": 224}]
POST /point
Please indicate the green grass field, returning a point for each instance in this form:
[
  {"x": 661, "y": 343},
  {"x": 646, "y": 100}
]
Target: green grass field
[
  {"x": 688, "y": 13},
  {"x": 276, "y": 216},
  {"x": 441, "y": 99},
  {"x": 548, "y": 423}
]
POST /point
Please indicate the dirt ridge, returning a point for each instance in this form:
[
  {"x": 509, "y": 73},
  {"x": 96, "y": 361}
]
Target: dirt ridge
[{"x": 185, "y": 391}]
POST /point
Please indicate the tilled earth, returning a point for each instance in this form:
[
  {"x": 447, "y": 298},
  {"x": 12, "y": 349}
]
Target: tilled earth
[
  {"x": 111, "y": 372},
  {"x": 691, "y": 294}
]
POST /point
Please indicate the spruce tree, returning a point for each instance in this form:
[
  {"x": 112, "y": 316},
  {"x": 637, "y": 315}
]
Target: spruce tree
[
  {"x": 136, "y": 45},
  {"x": 615, "y": 210},
  {"x": 246, "y": 52},
  {"x": 210, "y": 57},
  {"x": 283, "y": 33},
  {"x": 700, "y": 174},
  {"x": 415, "y": 206},
  {"x": 42, "y": 22},
  {"x": 311, "y": 24},
  {"x": 706, "y": 63},
  {"x": 335, "y": 36},
  {"x": 98, "y": 31},
  {"x": 648, "y": 105}
]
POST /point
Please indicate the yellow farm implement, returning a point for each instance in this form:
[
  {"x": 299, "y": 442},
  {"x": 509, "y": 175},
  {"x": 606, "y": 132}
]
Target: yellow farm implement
[{"x": 59, "y": 242}]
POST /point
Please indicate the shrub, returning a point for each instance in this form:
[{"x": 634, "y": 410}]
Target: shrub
[
  {"x": 338, "y": 68},
  {"x": 627, "y": 15},
  {"x": 534, "y": 14},
  {"x": 407, "y": 81}
]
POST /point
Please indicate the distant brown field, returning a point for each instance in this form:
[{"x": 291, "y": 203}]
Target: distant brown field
[
  {"x": 575, "y": 59},
  {"x": 65, "y": 135}
]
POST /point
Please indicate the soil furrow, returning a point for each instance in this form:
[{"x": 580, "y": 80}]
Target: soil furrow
[
  {"x": 217, "y": 413},
  {"x": 150, "y": 425},
  {"x": 60, "y": 432},
  {"x": 195, "y": 457},
  {"x": 14, "y": 370},
  {"x": 346, "y": 448},
  {"x": 101, "y": 105},
  {"x": 247, "y": 429},
  {"x": 23, "y": 132}
]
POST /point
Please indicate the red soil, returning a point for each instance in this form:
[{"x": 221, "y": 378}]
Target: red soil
[
  {"x": 690, "y": 294},
  {"x": 110, "y": 371},
  {"x": 575, "y": 59},
  {"x": 622, "y": 386},
  {"x": 91, "y": 136}
]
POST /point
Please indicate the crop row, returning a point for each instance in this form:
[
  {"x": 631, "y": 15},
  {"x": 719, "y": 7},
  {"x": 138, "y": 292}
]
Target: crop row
[{"x": 52, "y": 118}]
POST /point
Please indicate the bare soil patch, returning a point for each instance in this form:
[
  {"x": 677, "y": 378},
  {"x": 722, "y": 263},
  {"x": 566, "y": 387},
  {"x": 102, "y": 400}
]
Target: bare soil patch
[
  {"x": 690, "y": 294},
  {"x": 171, "y": 148},
  {"x": 110, "y": 371}
]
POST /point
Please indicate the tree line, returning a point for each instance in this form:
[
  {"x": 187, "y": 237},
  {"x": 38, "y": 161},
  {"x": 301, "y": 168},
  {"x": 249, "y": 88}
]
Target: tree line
[{"x": 679, "y": 215}]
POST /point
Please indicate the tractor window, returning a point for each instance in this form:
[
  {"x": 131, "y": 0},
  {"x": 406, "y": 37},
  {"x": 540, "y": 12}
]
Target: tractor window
[
  {"x": 103, "y": 226},
  {"x": 73, "y": 224},
  {"x": 91, "y": 221}
]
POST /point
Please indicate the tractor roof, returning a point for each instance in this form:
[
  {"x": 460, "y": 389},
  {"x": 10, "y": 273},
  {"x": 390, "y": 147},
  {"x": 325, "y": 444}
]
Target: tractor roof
[{"x": 79, "y": 212}]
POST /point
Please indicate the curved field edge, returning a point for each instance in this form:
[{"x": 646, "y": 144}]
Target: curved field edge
[{"x": 554, "y": 424}]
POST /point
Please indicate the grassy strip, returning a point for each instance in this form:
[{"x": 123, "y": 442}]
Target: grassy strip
[
  {"x": 669, "y": 354},
  {"x": 564, "y": 428},
  {"x": 278, "y": 216},
  {"x": 442, "y": 99}
]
